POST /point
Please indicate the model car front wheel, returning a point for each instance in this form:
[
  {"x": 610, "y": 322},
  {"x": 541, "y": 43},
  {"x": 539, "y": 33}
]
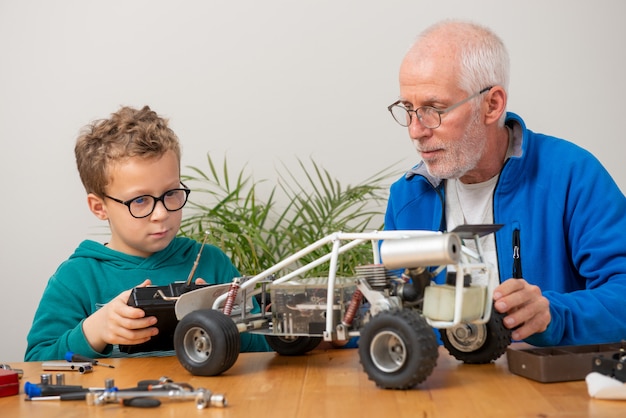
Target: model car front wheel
[
  {"x": 207, "y": 342},
  {"x": 398, "y": 349}
]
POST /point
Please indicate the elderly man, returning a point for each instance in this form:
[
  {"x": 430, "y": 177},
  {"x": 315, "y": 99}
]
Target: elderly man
[{"x": 561, "y": 254}]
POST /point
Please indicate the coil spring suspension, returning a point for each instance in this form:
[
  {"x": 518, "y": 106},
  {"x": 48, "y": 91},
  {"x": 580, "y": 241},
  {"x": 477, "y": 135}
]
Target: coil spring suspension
[{"x": 232, "y": 294}]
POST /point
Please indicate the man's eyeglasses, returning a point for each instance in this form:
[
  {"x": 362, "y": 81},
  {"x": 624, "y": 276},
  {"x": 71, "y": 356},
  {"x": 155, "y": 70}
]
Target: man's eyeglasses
[
  {"x": 142, "y": 206},
  {"x": 429, "y": 117}
]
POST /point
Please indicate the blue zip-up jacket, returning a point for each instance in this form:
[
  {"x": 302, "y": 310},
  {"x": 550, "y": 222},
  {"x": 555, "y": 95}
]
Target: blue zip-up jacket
[{"x": 570, "y": 218}]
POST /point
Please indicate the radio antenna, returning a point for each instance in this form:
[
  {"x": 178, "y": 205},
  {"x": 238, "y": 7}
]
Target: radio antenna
[{"x": 195, "y": 263}]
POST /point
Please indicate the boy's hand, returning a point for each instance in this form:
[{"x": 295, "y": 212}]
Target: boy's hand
[{"x": 118, "y": 323}]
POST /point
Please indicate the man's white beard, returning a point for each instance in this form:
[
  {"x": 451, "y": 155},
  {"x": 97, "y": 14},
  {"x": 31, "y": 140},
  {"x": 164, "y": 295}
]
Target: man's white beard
[{"x": 467, "y": 153}]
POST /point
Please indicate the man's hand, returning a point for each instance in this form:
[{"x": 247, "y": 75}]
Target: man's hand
[
  {"x": 527, "y": 310},
  {"x": 118, "y": 323}
]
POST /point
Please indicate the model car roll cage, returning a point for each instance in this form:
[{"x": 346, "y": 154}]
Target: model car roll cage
[{"x": 410, "y": 249}]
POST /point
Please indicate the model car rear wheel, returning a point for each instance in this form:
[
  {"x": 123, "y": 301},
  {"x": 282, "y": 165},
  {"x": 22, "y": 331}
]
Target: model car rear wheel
[
  {"x": 292, "y": 346},
  {"x": 477, "y": 344},
  {"x": 206, "y": 342},
  {"x": 398, "y": 349}
]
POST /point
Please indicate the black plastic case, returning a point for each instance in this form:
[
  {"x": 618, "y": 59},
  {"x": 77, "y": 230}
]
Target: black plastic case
[{"x": 558, "y": 364}]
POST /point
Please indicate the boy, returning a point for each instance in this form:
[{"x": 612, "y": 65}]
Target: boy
[{"x": 130, "y": 167}]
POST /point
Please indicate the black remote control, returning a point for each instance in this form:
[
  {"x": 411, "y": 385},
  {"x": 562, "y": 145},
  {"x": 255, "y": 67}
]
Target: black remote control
[{"x": 151, "y": 300}]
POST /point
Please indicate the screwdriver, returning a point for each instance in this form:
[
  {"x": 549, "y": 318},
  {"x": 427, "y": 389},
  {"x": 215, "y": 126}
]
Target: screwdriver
[
  {"x": 33, "y": 390},
  {"x": 69, "y": 356}
]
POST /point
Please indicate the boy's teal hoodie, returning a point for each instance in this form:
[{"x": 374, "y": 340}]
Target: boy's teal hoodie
[{"x": 95, "y": 274}]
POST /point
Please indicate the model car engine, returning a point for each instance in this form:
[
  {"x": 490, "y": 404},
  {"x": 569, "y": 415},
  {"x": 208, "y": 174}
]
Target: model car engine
[{"x": 300, "y": 306}]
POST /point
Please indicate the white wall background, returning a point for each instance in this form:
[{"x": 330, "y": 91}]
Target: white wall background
[{"x": 261, "y": 82}]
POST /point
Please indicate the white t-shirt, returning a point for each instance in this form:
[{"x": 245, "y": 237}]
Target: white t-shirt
[{"x": 473, "y": 204}]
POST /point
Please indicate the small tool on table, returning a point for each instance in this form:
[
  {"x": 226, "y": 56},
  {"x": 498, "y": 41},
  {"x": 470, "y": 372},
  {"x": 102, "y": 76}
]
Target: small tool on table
[{"x": 70, "y": 356}]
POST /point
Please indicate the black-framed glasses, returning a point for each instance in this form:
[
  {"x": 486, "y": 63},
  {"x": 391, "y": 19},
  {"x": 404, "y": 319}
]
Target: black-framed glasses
[
  {"x": 142, "y": 206},
  {"x": 428, "y": 116}
]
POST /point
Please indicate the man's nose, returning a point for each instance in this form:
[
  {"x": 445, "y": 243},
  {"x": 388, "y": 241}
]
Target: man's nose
[{"x": 416, "y": 129}]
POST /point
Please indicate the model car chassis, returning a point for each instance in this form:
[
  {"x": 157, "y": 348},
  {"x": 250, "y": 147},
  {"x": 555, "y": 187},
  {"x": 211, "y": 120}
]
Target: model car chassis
[{"x": 394, "y": 306}]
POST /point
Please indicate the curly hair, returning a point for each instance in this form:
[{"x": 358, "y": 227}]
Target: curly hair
[{"x": 127, "y": 133}]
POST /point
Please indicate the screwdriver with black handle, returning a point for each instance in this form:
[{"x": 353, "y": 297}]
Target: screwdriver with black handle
[{"x": 70, "y": 356}]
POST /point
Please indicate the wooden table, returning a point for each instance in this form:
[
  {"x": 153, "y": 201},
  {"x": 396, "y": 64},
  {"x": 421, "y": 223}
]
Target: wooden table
[{"x": 325, "y": 383}]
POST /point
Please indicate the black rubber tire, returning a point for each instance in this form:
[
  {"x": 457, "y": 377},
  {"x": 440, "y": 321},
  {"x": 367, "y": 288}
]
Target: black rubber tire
[
  {"x": 482, "y": 344},
  {"x": 207, "y": 342},
  {"x": 398, "y": 349},
  {"x": 292, "y": 346}
]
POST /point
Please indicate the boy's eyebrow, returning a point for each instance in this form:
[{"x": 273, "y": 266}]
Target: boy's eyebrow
[{"x": 143, "y": 192}]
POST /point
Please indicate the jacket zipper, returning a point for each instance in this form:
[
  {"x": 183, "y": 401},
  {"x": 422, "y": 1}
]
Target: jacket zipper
[{"x": 517, "y": 257}]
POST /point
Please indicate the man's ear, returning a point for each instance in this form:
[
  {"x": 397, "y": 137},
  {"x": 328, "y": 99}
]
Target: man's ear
[
  {"x": 496, "y": 104},
  {"x": 97, "y": 207}
]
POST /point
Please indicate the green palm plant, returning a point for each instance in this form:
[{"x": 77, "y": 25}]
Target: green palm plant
[{"x": 257, "y": 230}]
